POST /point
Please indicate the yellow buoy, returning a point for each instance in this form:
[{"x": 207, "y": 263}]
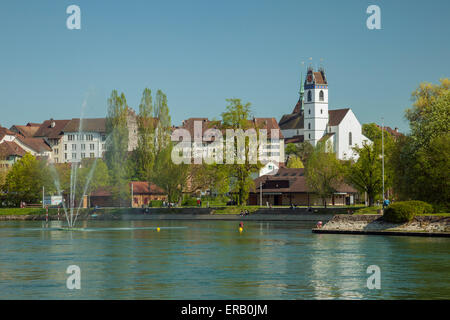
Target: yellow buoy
[
  {"x": 158, "y": 229},
  {"x": 241, "y": 229}
]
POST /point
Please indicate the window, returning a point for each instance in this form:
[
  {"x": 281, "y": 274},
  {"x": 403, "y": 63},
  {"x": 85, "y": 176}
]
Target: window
[
  {"x": 65, "y": 147},
  {"x": 321, "y": 95},
  {"x": 89, "y": 137},
  {"x": 92, "y": 155},
  {"x": 350, "y": 138},
  {"x": 309, "y": 111},
  {"x": 83, "y": 147},
  {"x": 309, "y": 136},
  {"x": 81, "y": 137},
  {"x": 309, "y": 95},
  {"x": 70, "y": 137},
  {"x": 74, "y": 147},
  {"x": 309, "y": 126},
  {"x": 92, "y": 146},
  {"x": 55, "y": 150},
  {"x": 74, "y": 155},
  {"x": 65, "y": 156},
  {"x": 321, "y": 111},
  {"x": 103, "y": 138},
  {"x": 83, "y": 155}
]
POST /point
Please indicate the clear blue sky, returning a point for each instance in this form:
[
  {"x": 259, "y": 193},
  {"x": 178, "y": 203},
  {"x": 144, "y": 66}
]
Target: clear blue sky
[{"x": 202, "y": 52}]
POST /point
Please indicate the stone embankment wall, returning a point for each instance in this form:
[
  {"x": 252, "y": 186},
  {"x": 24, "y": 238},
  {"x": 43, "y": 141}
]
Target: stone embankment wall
[{"x": 376, "y": 223}]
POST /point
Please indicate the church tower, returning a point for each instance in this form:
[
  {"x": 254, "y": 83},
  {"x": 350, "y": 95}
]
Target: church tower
[{"x": 315, "y": 105}]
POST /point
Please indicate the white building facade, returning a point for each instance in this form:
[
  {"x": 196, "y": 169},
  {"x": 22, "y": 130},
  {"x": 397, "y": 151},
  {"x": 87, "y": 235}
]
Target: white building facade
[{"x": 312, "y": 120}]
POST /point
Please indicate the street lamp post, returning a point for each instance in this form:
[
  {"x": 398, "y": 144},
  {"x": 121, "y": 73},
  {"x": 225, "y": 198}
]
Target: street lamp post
[{"x": 382, "y": 155}]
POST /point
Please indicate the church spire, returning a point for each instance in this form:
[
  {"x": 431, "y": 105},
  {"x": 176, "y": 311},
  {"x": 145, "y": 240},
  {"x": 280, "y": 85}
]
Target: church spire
[{"x": 302, "y": 89}]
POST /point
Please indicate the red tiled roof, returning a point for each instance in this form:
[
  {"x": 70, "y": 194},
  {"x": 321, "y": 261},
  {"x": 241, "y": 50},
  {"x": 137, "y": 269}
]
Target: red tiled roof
[
  {"x": 319, "y": 79},
  {"x": 46, "y": 130},
  {"x": 37, "y": 144},
  {"x": 5, "y": 131},
  {"x": 260, "y": 123},
  {"x": 139, "y": 187},
  {"x": 142, "y": 187},
  {"x": 26, "y": 131},
  {"x": 10, "y": 148},
  {"x": 335, "y": 116},
  {"x": 291, "y": 180},
  {"x": 393, "y": 132}
]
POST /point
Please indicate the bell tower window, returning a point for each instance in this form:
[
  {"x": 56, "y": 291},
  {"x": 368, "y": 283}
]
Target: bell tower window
[
  {"x": 309, "y": 95},
  {"x": 350, "y": 138},
  {"x": 321, "y": 95}
]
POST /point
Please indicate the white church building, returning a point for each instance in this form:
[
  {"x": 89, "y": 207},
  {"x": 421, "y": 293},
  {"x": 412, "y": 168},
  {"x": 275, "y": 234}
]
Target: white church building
[{"x": 312, "y": 121}]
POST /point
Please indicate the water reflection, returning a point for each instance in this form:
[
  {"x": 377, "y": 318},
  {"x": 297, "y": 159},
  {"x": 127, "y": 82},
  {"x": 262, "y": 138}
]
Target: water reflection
[{"x": 212, "y": 260}]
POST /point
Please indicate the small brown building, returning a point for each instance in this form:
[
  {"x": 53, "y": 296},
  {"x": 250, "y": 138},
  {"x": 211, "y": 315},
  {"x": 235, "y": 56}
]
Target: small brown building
[
  {"x": 142, "y": 193},
  {"x": 288, "y": 186}
]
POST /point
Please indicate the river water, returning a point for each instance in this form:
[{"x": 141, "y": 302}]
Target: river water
[{"x": 212, "y": 260}]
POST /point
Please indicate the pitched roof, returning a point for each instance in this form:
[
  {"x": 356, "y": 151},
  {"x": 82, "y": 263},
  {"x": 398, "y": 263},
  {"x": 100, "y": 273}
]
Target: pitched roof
[
  {"x": 28, "y": 130},
  {"x": 290, "y": 180},
  {"x": 143, "y": 187},
  {"x": 295, "y": 139},
  {"x": 37, "y": 144},
  {"x": 326, "y": 136},
  {"x": 5, "y": 131},
  {"x": 335, "y": 116},
  {"x": 292, "y": 121},
  {"x": 87, "y": 125},
  {"x": 319, "y": 78},
  {"x": 139, "y": 187},
  {"x": 46, "y": 129},
  {"x": 260, "y": 123},
  {"x": 10, "y": 148}
]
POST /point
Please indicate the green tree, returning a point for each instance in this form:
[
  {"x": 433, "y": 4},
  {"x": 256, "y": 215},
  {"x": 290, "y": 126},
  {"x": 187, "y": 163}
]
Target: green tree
[
  {"x": 295, "y": 162},
  {"x": 366, "y": 173},
  {"x": 144, "y": 155},
  {"x": 324, "y": 172},
  {"x": 168, "y": 175},
  {"x": 25, "y": 180},
  {"x": 429, "y": 116},
  {"x": 117, "y": 145},
  {"x": 420, "y": 160},
  {"x": 163, "y": 130},
  {"x": 237, "y": 116}
]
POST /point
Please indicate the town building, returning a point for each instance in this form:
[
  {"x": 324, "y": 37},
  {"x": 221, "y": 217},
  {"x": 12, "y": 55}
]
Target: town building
[
  {"x": 85, "y": 139},
  {"x": 52, "y": 132},
  {"x": 142, "y": 193},
  {"x": 273, "y": 150},
  {"x": 288, "y": 186},
  {"x": 312, "y": 121}
]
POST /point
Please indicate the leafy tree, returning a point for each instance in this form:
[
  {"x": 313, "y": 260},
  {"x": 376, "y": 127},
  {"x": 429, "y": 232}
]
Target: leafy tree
[
  {"x": 420, "y": 160},
  {"x": 291, "y": 150},
  {"x": 430, "y": 114},
  {"x": 324, "y": 172},
  {"x": 25, "y": 180},
  {"x": 168, "y": 175},
  {"x": 366, "y": 173},
  {"x": 237, "y": 116},
  {"x": 295, "y": 162},
  {"x": 144, "y": 155},
  {"x": 163, "y": 129},
  {"x": 117, "y": 144}
]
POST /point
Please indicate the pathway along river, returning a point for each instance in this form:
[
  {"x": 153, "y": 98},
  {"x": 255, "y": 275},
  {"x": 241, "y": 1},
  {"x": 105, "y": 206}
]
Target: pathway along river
[{"x": 212, "y": 260}]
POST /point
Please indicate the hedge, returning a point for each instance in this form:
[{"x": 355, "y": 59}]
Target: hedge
[{"x": 405, "y": 211}]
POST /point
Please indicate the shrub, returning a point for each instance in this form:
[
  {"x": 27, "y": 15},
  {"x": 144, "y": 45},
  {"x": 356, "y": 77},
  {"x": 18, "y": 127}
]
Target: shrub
[
  {"x": 399, "y": 212},
  {"x": 405, "y": 211},
  {"x": 190, "y": 202},
  {"x": 421, "y": 206},
  {"x": 156, "y": 203}
]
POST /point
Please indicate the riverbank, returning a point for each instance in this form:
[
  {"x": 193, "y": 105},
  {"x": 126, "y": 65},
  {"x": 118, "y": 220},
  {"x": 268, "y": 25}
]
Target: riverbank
[
  {"x": 258, "y": 214},
  {"x": 373, "y": 224}
]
